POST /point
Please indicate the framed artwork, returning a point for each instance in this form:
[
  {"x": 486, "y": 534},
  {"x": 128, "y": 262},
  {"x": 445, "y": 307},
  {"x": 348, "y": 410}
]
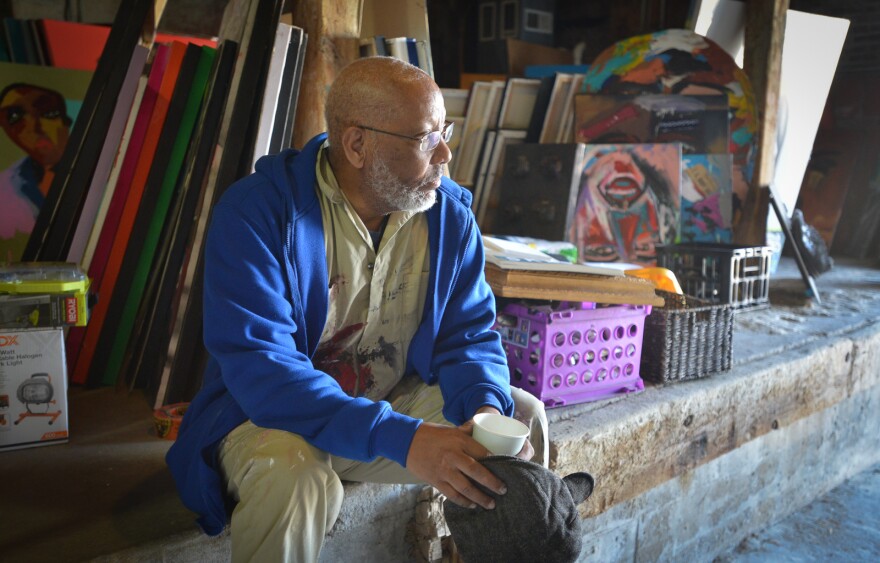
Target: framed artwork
[
  {"x": 699, "y": 123},
  {"x": 537, "y": 191}
]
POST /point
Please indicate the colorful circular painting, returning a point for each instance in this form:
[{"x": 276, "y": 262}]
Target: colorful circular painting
[{"x": 679, "y": 61}]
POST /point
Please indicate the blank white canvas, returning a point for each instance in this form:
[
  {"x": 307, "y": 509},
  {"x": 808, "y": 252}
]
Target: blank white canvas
[
  {"x": 519, "y": 103},
  {"x": 723, "y": 22},
  {"x": 455, "y": 100},
  {"x": 809, "y": 58},
  {"x": 272, "y": 91}
]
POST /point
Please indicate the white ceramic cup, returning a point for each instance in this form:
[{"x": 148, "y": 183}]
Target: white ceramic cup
[{"x": 500, "y": 434}]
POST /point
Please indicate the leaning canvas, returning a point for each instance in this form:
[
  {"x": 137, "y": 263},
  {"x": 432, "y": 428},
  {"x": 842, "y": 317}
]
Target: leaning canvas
[
  {"x": 706, "y": 198},
  {"x": 537, "y": 191},
  {"x": 628, "y": 202},
  {"x": 38, "y": 106}
]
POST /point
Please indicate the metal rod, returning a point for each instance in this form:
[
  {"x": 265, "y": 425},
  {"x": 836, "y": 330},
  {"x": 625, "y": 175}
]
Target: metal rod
[{"x": 802, "y": 266}]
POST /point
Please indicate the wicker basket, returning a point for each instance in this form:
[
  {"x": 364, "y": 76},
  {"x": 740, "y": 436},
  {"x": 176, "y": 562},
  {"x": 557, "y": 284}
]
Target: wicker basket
[{"x": 689, "y": 338}]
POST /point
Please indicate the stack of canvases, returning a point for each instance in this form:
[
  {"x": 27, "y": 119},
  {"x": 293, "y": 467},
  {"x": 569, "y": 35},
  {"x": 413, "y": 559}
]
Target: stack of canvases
[
  {"x": 663, "y": 132},
  {"x": 161, "y": 131}
]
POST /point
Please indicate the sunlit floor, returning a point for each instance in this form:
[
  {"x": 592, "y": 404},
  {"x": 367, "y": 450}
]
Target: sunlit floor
[{"x": 843, "y": 525}]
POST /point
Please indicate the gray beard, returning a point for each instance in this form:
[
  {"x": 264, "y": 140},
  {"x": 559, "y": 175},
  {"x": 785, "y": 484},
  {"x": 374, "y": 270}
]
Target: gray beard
[{"x": 390, "y": 194}]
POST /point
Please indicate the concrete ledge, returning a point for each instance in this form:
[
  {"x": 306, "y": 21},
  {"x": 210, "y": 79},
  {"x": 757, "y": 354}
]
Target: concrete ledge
[
  {"x": 637, "y": 444},
  {"x": 688, "y": 473},
  {"x": 687, "y": 470},
  {"x": 373, "y": 524}
]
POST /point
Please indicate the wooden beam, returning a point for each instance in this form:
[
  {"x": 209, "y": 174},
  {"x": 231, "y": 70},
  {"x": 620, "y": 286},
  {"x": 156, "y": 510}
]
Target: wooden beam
[
  {"x": 762, "y": 63},
  {"x": 333, "y": 30}
]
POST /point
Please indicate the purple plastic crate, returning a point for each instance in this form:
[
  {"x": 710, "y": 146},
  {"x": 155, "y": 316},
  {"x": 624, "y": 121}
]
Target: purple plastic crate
[{"x": 573, "y": 353}]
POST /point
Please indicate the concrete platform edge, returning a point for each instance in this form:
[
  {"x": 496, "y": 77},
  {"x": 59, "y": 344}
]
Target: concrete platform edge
[{"x": 727, "y": 474}]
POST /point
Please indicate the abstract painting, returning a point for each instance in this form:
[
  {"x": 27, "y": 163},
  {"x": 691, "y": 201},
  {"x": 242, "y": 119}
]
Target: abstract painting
[
  {"x": 628, "y": 202},
  {"x": 679, "y": 61},
  {"x": 699, "y": 123},
  {"x": 706, "y": 198}
]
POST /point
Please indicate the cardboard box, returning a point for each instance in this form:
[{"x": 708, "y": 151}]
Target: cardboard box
[
  {"x": 33, "y": 388},
  {"x": 510, "y": 57}
]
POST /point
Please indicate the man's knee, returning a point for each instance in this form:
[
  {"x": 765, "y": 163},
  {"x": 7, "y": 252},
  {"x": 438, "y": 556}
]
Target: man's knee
[
  {"x": 260, "y": 463},
  {"x": 296, "y": 473},
  {"x": 288, "y": 501}
]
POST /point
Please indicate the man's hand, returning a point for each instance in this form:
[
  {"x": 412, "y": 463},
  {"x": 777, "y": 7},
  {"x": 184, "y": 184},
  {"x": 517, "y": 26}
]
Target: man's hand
[{"x": 446, "y": 458}]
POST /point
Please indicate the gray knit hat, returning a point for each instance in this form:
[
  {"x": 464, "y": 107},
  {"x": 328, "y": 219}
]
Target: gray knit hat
[{"x": 536, "y": 520}]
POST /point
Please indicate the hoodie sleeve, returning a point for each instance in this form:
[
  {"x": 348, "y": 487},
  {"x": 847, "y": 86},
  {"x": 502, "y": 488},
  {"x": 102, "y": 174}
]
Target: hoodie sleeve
[
  {"x": 469, "y": 361},
  {"x": 250, "y": 329}
]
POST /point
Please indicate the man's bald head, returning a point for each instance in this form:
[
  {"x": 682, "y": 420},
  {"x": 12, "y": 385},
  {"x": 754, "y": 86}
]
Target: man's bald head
[{"x": 371, "y": 90}]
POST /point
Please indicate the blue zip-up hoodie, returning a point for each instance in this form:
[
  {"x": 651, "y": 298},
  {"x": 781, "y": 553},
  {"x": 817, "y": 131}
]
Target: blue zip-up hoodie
[{"x": 265, "y": 305}]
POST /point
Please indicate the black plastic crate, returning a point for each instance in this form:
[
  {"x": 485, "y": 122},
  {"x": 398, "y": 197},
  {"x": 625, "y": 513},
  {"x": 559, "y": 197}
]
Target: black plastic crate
[{"x": 720, "y": 273}]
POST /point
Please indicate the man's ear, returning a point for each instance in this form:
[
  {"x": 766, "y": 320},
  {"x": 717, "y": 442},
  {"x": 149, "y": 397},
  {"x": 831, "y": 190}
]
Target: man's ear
[{"x": 353, "y": 145}]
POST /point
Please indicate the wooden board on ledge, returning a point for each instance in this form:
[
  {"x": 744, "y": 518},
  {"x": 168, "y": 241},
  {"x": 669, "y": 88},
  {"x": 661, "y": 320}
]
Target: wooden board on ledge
[{"x": 566, "y": 286}]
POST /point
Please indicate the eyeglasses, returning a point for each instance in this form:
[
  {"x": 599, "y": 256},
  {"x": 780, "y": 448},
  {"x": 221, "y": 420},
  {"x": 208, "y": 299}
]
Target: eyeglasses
[{"x": 428, "y": 141}]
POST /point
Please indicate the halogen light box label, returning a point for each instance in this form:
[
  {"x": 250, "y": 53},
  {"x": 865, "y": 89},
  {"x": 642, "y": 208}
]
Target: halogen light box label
[{"x": 33, "y": 388}]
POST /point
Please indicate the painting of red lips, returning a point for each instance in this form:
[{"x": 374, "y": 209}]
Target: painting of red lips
[
  {"x": 621, "y": 183},
  {"x": 628, "y": 202}
]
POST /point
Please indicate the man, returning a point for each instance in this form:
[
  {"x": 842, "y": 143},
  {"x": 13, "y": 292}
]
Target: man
[
  {"x": 36, "y": 120},
  {"x": 349, "y": 327}
]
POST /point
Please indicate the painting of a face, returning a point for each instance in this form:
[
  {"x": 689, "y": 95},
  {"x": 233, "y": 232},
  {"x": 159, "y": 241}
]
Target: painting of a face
[
  {"x": 628, "y": 202},
  {"x": 38, "y": 107},
  {"x": 35, "y": 119}
]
